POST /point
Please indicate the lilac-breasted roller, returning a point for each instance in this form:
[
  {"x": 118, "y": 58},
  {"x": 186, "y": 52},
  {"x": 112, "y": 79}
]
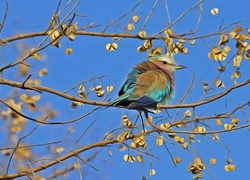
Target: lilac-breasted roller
[{"x": 149, "y": 83}]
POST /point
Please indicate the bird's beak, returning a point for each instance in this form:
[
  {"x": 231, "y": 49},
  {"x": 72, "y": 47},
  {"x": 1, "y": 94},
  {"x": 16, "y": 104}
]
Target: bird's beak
[{"x": 177, "y": 67}]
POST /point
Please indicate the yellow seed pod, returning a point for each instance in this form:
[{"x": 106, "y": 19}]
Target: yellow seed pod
[
  {"x": 74, "y": 105},
  {"x": 213, "y": 161},
  {"x": 111, "y": 47},
  {"x": 216, "y": 50},
  {"x": 168, "y": 32},
  {"x": 142, "y": 137},
  {"x": 181, "y": 140},
  {"x": 23, "y": 69},
  {"x": 68, "y": 51},
  {"x": 137, "y": 139},
  {"x": 142, "y": 34},
  {"x": 211, "y": 55},
  {"x": 247, "y": 56},
  {"x": 43, "y": 72},
  {"x": 110, "y": 153},
  {"x": 224, "y": 53},
  {"x": 188, "y": 113},
  {"x": 72, "y": 36},
  {"x": 141, "y": 143},
  {"x": 192, "y": 42},
  {"x": 100, "y": 93},
  {"x": 165, "y": 126},
  {"x": 131, "y": 27},
  {"x": 6, "y": 152},
  {"x": 233, "y": 34},
  {"x": 201, "y": 129},
  {"x": 140, "y": 158},
  {"x": 122, "y": 136},
  {"x": 59, "y": 150},
  {"x": 141, "y": 49},
  {"x": 134, "y": 145},
  {"x": 221, "y": 68},
  {"x": 126, "y": 157},
  {"x": 184, "y": 50},
  {"x": 110, "y": 88},
  {"x": 179, "y": 125},
  {"x": 237, "y": 61},
  {"x": 219, "y": 84},
  {"x": 152, "y": 172},
  {"x": 159, "y": 140},
  {"x": 237, "y": 74},
  {"x": 171, "y": 135},
  {"x": 218, "y": 122},
  {"x": 227, "y": 48},
  {"x": 158, "y": 50},
  {"x": 230, "y": 167},
  {"x": 144, "y": 146},
  {"x": 125, "y": 118},
  {"x": 214, "y": 11},
  {"x": 175, "y": 50},
  {"x": 197, "y": 161},
  {"x": 235, "y": 121},
  {"x": 223, "y": 40},
  {"x": 177, "y": 160},
  {"x": 132, "y": 159},
  {"x": 185, "y": 145},
  {"x": 243, "y": 37},
  {"x": 135, "y": 18},
  {"x": 241, "y": 51},
  {"x": 177, "y": 138},
  {"x": 216, "y": 137},
  {"x": 77, "y": 165},
  {"x": 204, "y": 83},
  {"x": 122, "y": 148},
  {"x": 221, "y": 57},
  {"x": 228, "y": 126},
  {"x": 148, "y": 44},
  {"x": 36, "y": 55},
  {"x": 74, "y": 26},
  {"x": 237, "y": 29}
]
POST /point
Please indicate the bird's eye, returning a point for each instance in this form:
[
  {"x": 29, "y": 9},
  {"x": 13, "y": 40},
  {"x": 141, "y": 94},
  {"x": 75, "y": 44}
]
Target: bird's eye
[{"x": 164, "y": 62}]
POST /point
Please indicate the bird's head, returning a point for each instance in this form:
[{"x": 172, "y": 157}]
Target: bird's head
[{"x": 166, "y": 62}]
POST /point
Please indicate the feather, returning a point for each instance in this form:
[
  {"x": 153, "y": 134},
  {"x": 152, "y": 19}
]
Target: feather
[{"x": 149, "y": 83}]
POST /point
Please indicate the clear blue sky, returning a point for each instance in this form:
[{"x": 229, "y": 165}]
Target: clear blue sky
[{"x": 90, "y": 58}]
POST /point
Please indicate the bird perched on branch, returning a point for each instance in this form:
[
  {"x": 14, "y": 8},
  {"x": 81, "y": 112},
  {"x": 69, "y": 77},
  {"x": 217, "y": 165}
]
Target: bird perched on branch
[{"x": 149, "y": 83}]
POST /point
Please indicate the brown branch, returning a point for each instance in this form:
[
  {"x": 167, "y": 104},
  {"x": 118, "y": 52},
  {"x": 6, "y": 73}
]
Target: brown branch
[
  {"x": 19, "y": 141},
  {"x": 100, "y": 34},
  {"x": 32, "y": 145},
  {"x": 101, "y": 103},
  {"x": 47, "y": 116},
  {"x": 59, "y": 173},
  {"x": 60, "y": 159},
  {"x": 179, "y": 18},
  {"x": 124, "y": 15},
  {"x": 5, "y": 16},
  {"x": 207, "y": 100},
  {"x": 149, "y": 15}
]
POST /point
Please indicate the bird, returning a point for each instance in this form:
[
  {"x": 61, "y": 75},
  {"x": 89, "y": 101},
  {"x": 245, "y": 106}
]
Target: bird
[{"x": 149, "y": 83}]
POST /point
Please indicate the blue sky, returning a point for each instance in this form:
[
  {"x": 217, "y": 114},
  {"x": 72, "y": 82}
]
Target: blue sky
[{"x": 90, "y": 59}]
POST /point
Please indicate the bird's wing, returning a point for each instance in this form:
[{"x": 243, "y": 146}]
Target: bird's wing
[
  {"x": 151, "y": 88},
  {"x": 130, "y": 83},
  {"x": 120, "y": 100}
]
